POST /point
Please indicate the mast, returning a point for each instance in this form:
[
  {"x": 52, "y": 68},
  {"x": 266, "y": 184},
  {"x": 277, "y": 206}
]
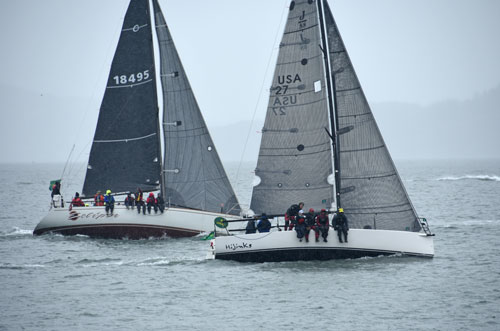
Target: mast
[
  {"x": 153, "y": 27},
  {"x": 332, "y": 101}
]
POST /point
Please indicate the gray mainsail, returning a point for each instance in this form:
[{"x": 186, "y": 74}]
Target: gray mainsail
[
  {"x": 295, "y": 157},
  {"x": 193, "y": 173},
  {"x": 125, "y": 152},
  {"x": 371, "y": 191}
]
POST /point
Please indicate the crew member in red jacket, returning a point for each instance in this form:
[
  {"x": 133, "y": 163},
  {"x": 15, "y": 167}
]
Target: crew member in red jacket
[{"x": 77, "y": 202}]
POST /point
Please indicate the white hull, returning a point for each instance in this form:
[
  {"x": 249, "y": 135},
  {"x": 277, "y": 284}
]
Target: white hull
[
  {"x": 127, "y": 223},
  {"x": 284, "y": 246}
]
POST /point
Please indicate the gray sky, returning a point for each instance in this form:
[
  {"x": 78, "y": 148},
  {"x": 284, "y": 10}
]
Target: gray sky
[{"x": 56, "y": 56}]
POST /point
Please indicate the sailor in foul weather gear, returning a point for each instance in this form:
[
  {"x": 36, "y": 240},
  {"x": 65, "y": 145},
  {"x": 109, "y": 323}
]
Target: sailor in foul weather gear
[
  {"x": 263, "y": 225},
  {"x": 77, "y": 201},
  {"x": 139, "y": 202},
  {"x": 129, "y": 201},
  {"x": 323, "y": 224},
  {"x": 250, "y": 227},
  {"x": 300, "y": 226},
  {"x": 311, "y": 225},
  {"x": 98, "y": 199},
  {"x": 109, "y": 202},
  {"x": 160, "y": 203},
  {"x": 291, "y": 215},
  {"x": 340, "y": 224},
  {"x": 151, "y": 202}
]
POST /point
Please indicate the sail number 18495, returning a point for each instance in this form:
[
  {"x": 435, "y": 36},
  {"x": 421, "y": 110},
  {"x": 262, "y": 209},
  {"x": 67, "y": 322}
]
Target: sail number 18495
[{"x": 133, "y": 78}]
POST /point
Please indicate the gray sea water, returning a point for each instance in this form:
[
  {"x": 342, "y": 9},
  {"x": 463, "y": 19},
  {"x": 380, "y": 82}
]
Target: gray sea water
[{"x": 53, "y": 282}]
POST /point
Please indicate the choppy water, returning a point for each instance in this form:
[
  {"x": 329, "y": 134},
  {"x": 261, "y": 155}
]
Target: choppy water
[{"x": 76, "y": 283}]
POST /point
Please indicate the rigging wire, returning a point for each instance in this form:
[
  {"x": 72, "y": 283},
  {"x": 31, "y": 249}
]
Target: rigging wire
[{"x": 278, "y": 30}]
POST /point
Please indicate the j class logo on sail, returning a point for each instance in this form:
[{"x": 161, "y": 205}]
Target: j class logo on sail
[{"x": 131, "y": 79}]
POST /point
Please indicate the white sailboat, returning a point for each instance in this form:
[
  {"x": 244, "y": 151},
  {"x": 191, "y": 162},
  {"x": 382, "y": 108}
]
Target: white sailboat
[
  {"x": 126, "y": 150},
  {"x": 321, "y": 146}
]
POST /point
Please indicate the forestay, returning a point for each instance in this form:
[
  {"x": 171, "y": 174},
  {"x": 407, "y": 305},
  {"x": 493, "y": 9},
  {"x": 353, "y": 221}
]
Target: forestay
[
  {"x": 194, "y": 176},
  {"x": 125, "y": 150}
]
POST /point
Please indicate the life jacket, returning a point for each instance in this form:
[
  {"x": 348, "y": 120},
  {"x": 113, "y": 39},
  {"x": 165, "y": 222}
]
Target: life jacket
[
  {"x": 151, "y": 199},
  {"x": 77, "y": 202},
  {"x": 138, "y": 197},
  {"x": 99, "y": 200},
  {"x": 322, "y": 219},
  {"x": 300, "y": 220},
  {"x": 109, "y": 199}
]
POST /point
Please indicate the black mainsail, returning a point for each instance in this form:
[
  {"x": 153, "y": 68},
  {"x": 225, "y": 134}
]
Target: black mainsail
[
  {"x": 193, "y": 173},
  {"x": 297, "y": 158},
  {"x": 125, "y": 152}
]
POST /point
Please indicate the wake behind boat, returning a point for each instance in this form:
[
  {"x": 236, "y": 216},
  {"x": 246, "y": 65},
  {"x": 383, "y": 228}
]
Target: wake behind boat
[
  {"x": 126, "y": 151},
  {"x": 321, "y": 145}
]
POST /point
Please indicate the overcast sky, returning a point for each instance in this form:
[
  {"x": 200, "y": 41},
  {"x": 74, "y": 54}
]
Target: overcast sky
[{"x": 56, "y": 54}]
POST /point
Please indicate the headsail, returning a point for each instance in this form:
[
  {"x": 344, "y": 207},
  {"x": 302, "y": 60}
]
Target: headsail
[
  {"x": 371, "y": 190},
  {"x": 125, "y": 153},
  {"x": 295, "y": 158},
  {"x": 194, "y": 176}
]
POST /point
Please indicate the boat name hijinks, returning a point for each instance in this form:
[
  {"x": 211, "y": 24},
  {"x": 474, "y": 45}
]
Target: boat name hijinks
[{"x": 238, "y": 246}]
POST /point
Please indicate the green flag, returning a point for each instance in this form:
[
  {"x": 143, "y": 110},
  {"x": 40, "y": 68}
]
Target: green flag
[
  {"x": 210, "y": 236},
  {"x": 221, "y": 222},
  {"x": 53, "y": 182}
]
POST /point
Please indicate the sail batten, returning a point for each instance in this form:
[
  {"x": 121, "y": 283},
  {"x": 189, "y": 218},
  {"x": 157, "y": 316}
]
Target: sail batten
[{"x": 200, "y": 181}]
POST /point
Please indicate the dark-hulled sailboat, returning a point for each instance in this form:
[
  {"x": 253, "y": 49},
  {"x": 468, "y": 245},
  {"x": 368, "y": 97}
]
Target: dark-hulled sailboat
[
  {"x": 321, "y": 145},
  {"x": 126, "y": 150}
]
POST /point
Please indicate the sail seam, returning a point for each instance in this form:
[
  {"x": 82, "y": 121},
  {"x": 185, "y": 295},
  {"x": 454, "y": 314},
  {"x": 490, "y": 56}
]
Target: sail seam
[
  {"x": 296, "y": 188},
  {"x": 370, "y": 177},
  {"x": 380, "y": 212},
  {"x": 301, "y": 30},
  {"x": 309, "y": 146},
  {"x": 131, "y": 85},
  {"x": 299, "y": 61},
  {"x": 378, "y": 207},
  {"x": 136, "y": 28},
  {"x": 295, "y": 155},
  {"x": 362, "y": 149},
  {"x": 125, "y": 140},
  {"x": 354, "y": 115},
  {"x": 348, "y": 89}
]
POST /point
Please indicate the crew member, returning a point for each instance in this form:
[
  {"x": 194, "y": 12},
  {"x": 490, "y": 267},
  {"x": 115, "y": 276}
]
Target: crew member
[
  {"x": 160, "y": 203},
  {"x": 340, "y": 224},
  {"x": 98, "y": 199},
  {"x": 77, "y": 201},
  {"x": 311, "y": 225},
  {"x": 300, "y": 226},
  {"x": 323, "y": 224},
  {"x": 129, "y": 201},
  {"x": 151, "y": 202},
  {"x": 291, "y": 215},
  {"x": 250, "y": 227},
  {"x": 263, "y": 225},
  {"x": 139, "y": 202},
  {"x": 109, "y": 202}
]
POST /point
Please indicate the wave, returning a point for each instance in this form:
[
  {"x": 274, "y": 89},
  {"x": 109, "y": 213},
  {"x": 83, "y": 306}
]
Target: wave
[
  {"x": 473, "y": 177},
  {"x": 16, "y": 232}
]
